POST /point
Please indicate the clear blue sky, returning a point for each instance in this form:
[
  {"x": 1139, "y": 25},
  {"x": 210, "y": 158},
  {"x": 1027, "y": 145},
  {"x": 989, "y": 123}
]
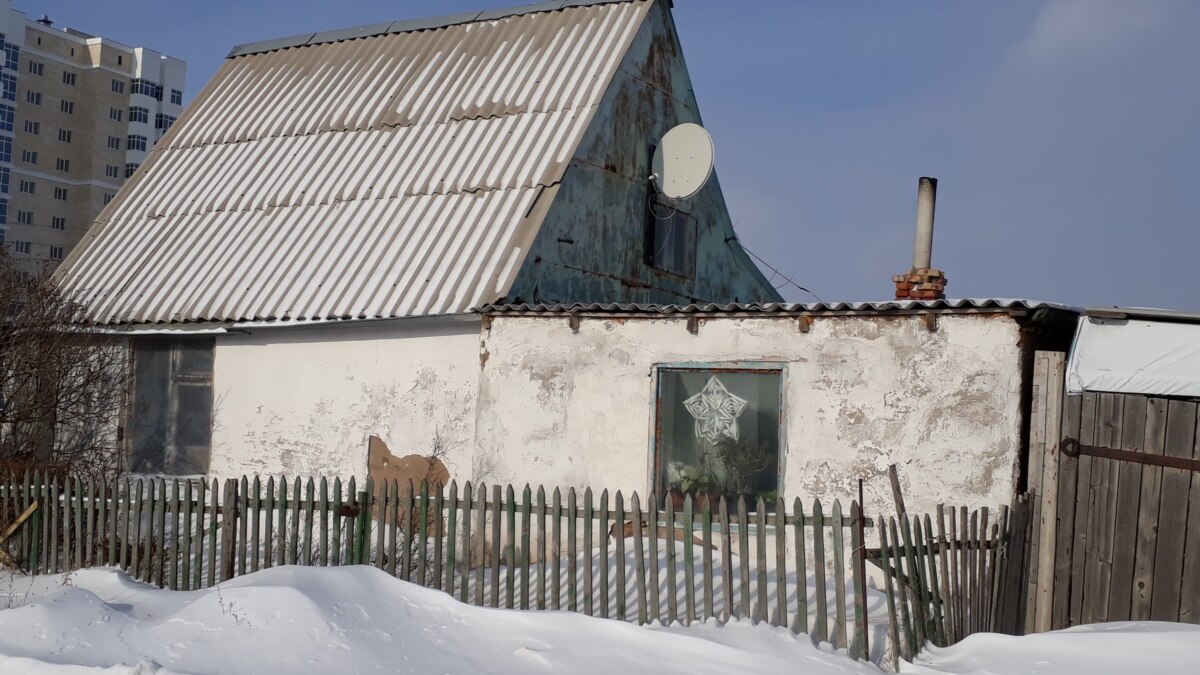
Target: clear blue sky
[{"x": 1065, "y": 134}]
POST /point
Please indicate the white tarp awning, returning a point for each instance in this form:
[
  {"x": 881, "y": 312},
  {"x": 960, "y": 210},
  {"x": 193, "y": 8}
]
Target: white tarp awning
[{"x": 1135, "y": 356}]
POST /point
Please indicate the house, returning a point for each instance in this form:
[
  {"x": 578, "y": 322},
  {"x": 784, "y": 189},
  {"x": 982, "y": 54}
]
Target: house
[
  {"x": 441, "y": 233},
  {"x": 296, "y": 261}
]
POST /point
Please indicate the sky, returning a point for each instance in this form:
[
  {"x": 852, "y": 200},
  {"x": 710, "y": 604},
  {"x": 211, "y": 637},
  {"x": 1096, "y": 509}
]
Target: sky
[{"x": 1065, "y": 134}]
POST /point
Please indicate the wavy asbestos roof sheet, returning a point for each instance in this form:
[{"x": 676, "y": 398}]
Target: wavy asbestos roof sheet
[{"x": 390, "y": 175}]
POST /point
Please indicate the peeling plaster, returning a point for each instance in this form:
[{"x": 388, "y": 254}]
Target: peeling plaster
[{"x": 567, "y": 408}]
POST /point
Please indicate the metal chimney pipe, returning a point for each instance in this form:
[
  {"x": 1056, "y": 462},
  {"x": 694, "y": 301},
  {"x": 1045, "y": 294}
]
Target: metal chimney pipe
[{"x": 926, "y": 201}]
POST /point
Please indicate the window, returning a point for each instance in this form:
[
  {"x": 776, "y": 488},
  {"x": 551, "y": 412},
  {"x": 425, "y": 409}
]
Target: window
[
  {"x": 107, "y": 198},
  {"x": 63, "y": 165},
  {"x": 136, "y": 142},
  {"x": 28, "y": 187},
  {"x": 5, "y": 177},
  {"x": 8, "y": 117},
  {"x": 37, "y": 68},
  {"x": 114, "y": 142},
  {"x": 718, "y": 432},
  {"x": 69, "y": 78},
  {"x": 29, "y": 156},
  {"x": 32, "y": 127},
  {"x": 60, "y": 193},
  {"x": 176, "y": 97},
  {"x": 64, "y": 135},
  {"x": 671, "y": 240},
  {"x": 25, "y": 217},
  {"x": 163, "y": 122},
  {"x": 146, "y": 88},
  {"x": 12, "y": 56},
  {"x": 118, "y": 86},
  {"x": 5, "y": 149},
  {"x": 130, "y": 169},
  {"x": 139, "y": 114},
  {"x": 120, "y": 59},
  {"x": 58, "y": 223},
  {"x": 115, "y": 114},
  {"x": 67, "y": 107},
  {"x": 9, "y": 83},
  {"x": 34, "y": 97},
  {"x": 22, "y": 247},
  {"x": 111, "y": 171},
  {"x": 171, "y": 422},
  {"x": 56, "y": 253}
]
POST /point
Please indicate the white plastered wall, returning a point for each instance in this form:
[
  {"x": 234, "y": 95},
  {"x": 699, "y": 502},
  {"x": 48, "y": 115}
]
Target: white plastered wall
[
  {"x": 568, "y": 408},
  {"x": 305, "y": 400}
]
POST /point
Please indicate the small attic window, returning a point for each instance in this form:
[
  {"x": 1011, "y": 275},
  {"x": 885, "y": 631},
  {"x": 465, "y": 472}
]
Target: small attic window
[{"x": 671, "y": 240}]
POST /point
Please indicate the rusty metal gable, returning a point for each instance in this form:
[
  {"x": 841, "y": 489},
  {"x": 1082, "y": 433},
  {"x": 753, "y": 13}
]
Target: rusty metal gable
[{"x": 397, "y": 174}]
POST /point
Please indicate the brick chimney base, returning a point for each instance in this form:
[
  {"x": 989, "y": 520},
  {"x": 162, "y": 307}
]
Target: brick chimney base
[{"x": 920, "y": 284}]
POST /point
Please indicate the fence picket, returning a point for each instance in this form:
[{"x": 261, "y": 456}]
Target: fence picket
[
  {"x": 80, "y": 520},
  {"x": 761, "y": 610},
  {"x": 572, "y": 552},
  {"x": 556, "y": 551},
  {"x": 859, "y": 646},
  {"x": 800, "y": 624},
  {"x": 726, "y": 559},
  {"x": 176, "y": 541},
  {"x": 779, "y": 521},
  {"x": 297, "y": 508},
  {"x": 639, "y": 556},
  {"x": 510, "y": 549},
  {"x": 903, "y": 584},
  {"x": 481, "y": 517},
  {"x": 495, "y": 547},
  {"x": 421, "y": 548},
  {"x": 526, "y": 507},
  {"x": 310, "y": 507},
  {"x": 839, "y": 574},
  {"x": 893, "y": 627},
  {"x": 689, "y": 561},
  {"x": 707, "y": 550},
  {"x": 450, "y": 532},
  {"x": 669, "y": 543},
  {"x": 604, "y": 560},
  {"x": 198, "y": 541},
  {"x": 135, "y": 521},
  {"x": 653, "y": 535},
  {"x": 323, "y": 506},
  {"x": 822, "y": 599},
  {"x": 540, "y": 519},
  {"x": 269, "y": 523},
  {"x": 214, "y": 501},
  {"x": 467, "y": 505},
  {"x": 255, "y": 524},
  {"x": 434, "y": 529},
  {"x": 743, "y": 524},
  {"x": 618, "y": 530}
]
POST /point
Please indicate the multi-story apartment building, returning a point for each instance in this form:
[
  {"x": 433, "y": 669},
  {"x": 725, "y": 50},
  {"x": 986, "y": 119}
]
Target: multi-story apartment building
[{"x": 78, "y": 114}]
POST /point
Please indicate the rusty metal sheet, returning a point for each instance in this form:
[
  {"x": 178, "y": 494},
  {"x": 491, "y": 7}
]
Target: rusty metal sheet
[{"x": 371, "y": 175}]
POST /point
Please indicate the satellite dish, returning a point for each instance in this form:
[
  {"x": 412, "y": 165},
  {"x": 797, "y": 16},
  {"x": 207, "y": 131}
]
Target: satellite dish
[{"x": 683, "y": 161}]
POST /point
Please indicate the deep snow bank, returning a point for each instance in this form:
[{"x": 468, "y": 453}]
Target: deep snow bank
[
  {"x": 1134, "y": 648},
  {"x": 352, "y": 620}
]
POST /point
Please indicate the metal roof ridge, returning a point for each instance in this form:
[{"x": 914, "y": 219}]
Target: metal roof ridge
[{"x": 408, "y": 26}]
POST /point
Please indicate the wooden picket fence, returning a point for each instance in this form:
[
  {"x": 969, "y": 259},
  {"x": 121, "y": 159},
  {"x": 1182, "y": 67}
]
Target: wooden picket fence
[
  {"x": 953, "y": 575},
  {"x": 492, "y": 546}
]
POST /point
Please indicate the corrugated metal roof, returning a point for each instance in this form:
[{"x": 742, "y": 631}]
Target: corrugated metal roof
[
  {"x": 961, "y": 305},
  {"x": 381, "y": 176}
]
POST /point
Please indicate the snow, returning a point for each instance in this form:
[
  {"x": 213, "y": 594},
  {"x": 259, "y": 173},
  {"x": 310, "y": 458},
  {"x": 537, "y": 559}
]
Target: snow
[
  {"x": 354, "y": 620},
  {"x": 360, "y": 620},
  {"x": 1141, "y": 648}
]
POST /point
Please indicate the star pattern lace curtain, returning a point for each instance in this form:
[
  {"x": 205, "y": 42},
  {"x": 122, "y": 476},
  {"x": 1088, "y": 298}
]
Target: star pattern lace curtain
[{"x": 718, "y": 433}]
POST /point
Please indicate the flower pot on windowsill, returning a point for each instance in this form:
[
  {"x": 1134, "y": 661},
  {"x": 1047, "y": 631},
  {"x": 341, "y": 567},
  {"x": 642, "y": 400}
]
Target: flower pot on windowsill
[{"x": 699, "y": 502}]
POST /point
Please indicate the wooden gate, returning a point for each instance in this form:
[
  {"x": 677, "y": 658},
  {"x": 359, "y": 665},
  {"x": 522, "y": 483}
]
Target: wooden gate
[{"x": 1128, "y": 511}]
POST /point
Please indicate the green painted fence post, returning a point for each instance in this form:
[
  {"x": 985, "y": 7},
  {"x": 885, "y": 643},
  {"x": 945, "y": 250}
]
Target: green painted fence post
[{"x": 362, "y": 526}]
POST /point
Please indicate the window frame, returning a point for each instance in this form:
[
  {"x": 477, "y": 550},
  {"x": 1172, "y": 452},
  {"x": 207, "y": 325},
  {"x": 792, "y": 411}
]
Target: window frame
[
  {"x": 176, "y": 377},
  {"x": 653, "y": 222},
  {"x": 657, "y": 474}
]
